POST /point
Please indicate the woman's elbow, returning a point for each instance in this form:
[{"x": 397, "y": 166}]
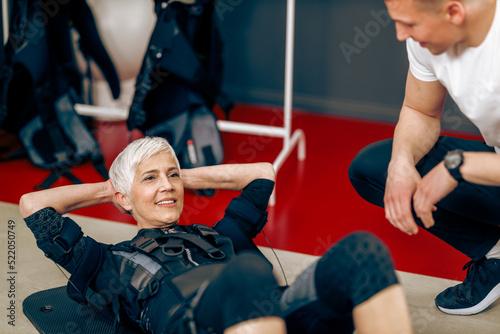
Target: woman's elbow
[
  {"x": 268, "y": 171},
  {"x": 26, "y": 205}
]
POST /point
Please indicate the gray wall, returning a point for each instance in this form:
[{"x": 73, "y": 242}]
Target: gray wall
[{"x": 347, "y": 59}]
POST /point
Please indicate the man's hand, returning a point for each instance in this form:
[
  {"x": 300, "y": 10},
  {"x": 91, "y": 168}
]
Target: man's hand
[
  {"x": 401, "y": 184},
  {"x": 434, "y": 186}
]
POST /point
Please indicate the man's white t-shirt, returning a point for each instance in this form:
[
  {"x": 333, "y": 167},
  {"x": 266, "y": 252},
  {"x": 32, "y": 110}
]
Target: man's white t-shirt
[{"x": 471, "y": 76}]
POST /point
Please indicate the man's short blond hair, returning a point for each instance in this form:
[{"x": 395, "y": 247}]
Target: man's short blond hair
[{"x": 428, "y": 5}]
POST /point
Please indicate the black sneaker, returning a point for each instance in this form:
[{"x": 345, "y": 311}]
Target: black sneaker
[{"x": 479, "y": 290}]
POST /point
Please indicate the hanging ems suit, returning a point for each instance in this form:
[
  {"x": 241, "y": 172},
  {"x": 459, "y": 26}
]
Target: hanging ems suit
[
  {"x": 41, "y": 83},
  {"x": 180, "y": 82}
]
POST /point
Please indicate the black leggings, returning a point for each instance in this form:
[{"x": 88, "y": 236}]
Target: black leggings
[
  {"x": 322, "y": 298},
  {"x": 245, "y": 289},
  {"x": 466, "y": 219}
]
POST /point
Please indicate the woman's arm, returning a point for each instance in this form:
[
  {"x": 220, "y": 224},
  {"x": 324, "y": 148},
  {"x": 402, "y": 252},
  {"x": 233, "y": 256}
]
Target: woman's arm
[
  {"x": 230, "y": 176},
  {"x": 67, "y": 198}
]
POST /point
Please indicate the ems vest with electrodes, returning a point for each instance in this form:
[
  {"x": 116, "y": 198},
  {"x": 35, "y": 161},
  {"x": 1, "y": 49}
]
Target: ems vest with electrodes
[{"x": 182, "y": 259}]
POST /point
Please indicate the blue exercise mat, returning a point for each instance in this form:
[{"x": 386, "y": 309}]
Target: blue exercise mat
[{"x": 53, "y": 312}]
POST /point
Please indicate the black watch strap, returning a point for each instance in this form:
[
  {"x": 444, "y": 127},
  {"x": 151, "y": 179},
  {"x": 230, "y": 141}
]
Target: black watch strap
[
  {"x": 453, "y": 161},
  {"x": 455, "y": 172}
]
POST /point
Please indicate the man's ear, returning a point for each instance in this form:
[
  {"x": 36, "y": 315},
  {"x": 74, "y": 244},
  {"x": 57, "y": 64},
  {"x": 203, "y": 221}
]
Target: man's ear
[
  {"x": 455, "y": 12},
  {"x": 123, "y": 200}
]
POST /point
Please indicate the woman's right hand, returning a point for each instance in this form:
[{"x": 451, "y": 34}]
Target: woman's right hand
[{"x": 112, "y": 198}]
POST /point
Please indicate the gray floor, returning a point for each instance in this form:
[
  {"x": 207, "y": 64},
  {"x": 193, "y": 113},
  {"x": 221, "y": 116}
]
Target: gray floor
[{"x": 32, "y": 272}]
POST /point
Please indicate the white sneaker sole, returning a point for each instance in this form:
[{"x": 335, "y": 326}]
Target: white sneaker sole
[{"x": 487, "y": 301}]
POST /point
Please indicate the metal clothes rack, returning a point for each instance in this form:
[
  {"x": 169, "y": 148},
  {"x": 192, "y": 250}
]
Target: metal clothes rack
[{"x": 289, "y": 139}]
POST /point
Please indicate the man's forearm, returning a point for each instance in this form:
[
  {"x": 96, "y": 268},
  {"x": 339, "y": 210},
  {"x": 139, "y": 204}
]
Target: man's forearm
[
  {"x": 66, "y": 199},
  {"x": 229, "y": 176},
  {"x": 416, "y": 133},
  {"x": 481, "y": 168}
]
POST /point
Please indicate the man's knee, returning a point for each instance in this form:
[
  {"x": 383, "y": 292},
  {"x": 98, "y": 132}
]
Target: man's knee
[
  {"x": 368, "y": 171},
  {"x": 371, "y": 161}
]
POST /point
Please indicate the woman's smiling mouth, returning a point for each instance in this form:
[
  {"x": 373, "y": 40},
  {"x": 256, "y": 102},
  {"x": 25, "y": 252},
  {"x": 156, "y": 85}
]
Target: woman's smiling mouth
[{"x": 165, "y": 202}]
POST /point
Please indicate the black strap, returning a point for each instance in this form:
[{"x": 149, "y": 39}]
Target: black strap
[
  {"x": 144, "y": 244},
  {"x": 63, "y": 243},
  {"x": 160, "y": 38},
  {"x": 50, "y": 122},
  {"x": 204, "y": 230},
  {"x": 153, "y": 286},
  {"x": 55, "y": 175},
  {"x": 211, "y": 251},
  {"x": 57, "y": 139},
  {"x": 49, "y": 181},
  {"x": 208, "y": 233},
  {"x": 173, "y": 247},
  {"x": 91, "y": 44}
]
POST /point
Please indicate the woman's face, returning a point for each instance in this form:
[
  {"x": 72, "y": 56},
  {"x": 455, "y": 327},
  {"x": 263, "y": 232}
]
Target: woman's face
[{"x": 157, "y": 193}]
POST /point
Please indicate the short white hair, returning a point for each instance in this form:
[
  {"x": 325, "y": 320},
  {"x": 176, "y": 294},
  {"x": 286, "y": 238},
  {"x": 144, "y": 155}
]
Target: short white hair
[{"x": 123, "y": 169}]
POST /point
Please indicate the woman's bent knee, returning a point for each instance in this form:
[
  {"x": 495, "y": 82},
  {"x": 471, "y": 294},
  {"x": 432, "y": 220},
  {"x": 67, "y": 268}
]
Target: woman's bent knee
[{"x": 357, "y": 267}]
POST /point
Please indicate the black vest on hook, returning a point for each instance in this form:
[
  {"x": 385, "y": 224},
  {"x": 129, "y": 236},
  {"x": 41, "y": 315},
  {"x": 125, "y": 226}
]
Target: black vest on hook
[{"x": 182, "y": 67}]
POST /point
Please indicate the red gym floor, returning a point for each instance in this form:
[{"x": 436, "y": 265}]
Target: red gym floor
[{"x": 316, "y": 205}]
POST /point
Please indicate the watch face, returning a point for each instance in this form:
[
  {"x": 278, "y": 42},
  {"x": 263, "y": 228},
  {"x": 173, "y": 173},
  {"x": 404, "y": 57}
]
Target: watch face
[{"x": 453, "y": 160}]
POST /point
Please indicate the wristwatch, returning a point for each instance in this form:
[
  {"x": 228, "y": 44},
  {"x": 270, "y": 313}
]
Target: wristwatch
[{"x": 453, "y": 160}]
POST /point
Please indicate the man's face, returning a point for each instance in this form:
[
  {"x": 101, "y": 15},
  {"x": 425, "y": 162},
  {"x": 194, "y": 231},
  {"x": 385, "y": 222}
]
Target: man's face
[
  {"x": 157, "y": 193},
  {"x": 430, "y": 27}
]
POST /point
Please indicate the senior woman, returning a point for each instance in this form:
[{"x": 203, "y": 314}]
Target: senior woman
[{"x": 175, "y": 278}]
